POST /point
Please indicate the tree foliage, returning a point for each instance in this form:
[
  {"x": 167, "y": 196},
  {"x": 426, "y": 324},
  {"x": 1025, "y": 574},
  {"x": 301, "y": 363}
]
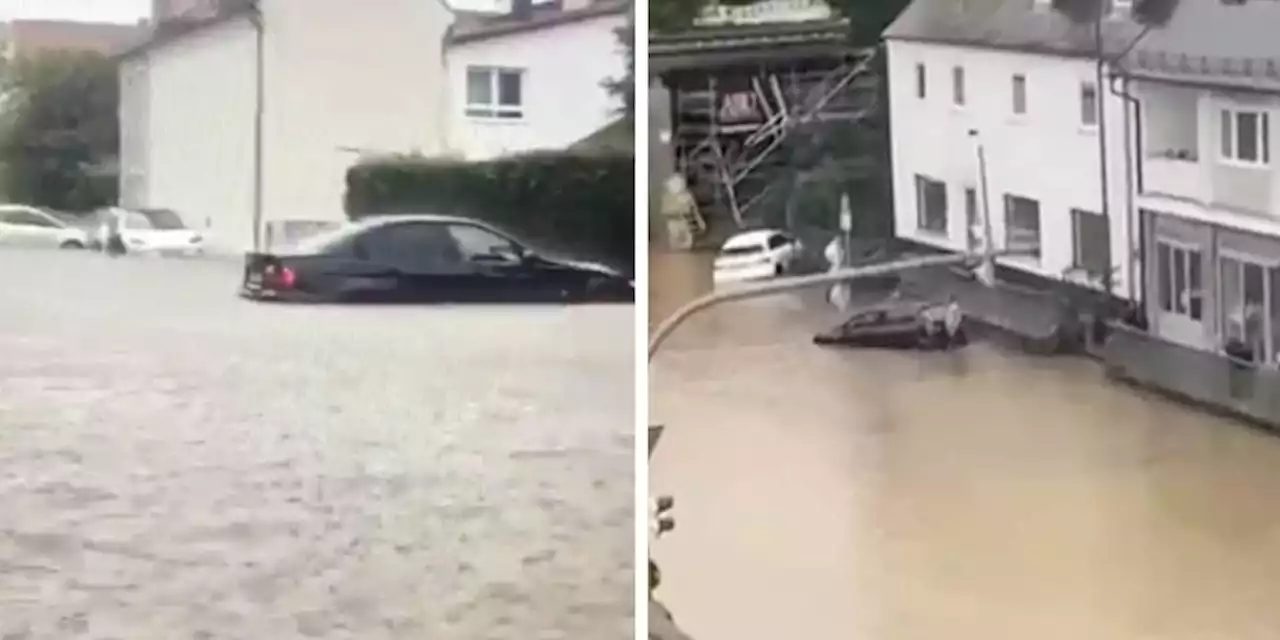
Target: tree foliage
[
  {"x": 624, "y": 88},
  {"x": 60, "y": 131}
]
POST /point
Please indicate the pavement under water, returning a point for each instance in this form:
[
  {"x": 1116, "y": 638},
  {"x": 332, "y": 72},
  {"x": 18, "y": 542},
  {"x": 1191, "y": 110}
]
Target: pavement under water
[
  {"x": 831, "y": 494},
  {"x": 178, "y": 463}
]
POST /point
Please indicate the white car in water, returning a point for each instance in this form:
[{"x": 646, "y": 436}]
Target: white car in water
[
  {"x": 150, "y": 231},
  {"x": 26, "y": 226},
  {"x": 756, "y": 255}
]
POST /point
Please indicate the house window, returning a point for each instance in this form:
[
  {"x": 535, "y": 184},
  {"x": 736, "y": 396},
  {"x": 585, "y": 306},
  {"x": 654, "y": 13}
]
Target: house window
[
  {"x": 1246, "y": 136},
  {"x": 495, "y": 93},
  {"x": 972, "y": 234},
  {"x": 1019, "y": 94},
  {"x": 1250, "y": 306},
  {"x": 1022, "y": 224},
  {"x": 1089, "y": 104},
  {"x": 921, "y": 82},
  {"x": 1091, "y": 250},
  {"x": 931, "y": 205},
  {"x": 957, "y": 86},
  {"x": 1179, "y": 280}
]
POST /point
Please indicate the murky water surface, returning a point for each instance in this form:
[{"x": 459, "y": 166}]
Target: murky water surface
[
  {"x": 177, "y": 463},
  {"x": 827, "y": 494}
]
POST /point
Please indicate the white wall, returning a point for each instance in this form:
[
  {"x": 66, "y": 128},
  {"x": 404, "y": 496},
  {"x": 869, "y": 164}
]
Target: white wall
[
  {"x": 196, "y": 123},
  {"x": 564, "y": 99},
  {"x": 346, "y": 75},
  {"x": 1046, "y": 155}
]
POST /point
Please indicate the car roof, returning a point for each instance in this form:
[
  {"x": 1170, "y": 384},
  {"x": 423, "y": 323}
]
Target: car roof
[
  {"x": 378, "y": 220},
  {"x": 749, "y": 238}
]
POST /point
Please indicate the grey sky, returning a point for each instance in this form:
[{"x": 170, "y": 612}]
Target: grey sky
[{"x": 86, "y": 10}]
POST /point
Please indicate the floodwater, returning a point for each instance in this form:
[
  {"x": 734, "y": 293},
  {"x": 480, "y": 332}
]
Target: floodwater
[
  {"x": 177, "y": 463},
  {"x": 981, "y": 494}
]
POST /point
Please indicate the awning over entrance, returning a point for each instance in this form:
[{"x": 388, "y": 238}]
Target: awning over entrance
[{"x": 726, "y": 45}]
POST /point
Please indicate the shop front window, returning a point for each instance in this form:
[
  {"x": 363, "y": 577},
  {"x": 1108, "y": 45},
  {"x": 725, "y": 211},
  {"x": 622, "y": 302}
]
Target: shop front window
[{"x": 1250, "y": 307}]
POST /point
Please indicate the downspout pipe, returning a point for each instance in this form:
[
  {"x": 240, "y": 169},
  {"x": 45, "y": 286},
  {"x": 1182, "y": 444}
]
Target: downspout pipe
[
  {"x": 1104, "y": 181},
  {"x": 1134, "y": 170},
  {"x": 255, "y": 18}
]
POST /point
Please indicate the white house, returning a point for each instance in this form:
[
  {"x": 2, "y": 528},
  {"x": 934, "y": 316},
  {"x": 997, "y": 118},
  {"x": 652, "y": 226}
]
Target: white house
[
  {"x": 996, "y": 107},
  {"x": 1208, "y": 180},
  {"x": 247, "y": 121},
  {"x": 246, "y": 117},
  {"x": 533, "y": 78}
]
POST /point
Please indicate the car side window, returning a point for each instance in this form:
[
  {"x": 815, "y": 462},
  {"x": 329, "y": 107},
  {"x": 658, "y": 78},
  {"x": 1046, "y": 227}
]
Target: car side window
[
  {"x": 777, "y": 241},
  {"x": 476, "y": 241},
  {"x": 414, "y": 246}
]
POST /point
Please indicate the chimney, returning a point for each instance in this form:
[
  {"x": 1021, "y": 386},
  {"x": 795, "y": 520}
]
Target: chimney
[{"x": 521, "y": 9}]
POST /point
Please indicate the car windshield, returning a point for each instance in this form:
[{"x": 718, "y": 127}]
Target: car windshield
[{"x": 163, "y": 219}]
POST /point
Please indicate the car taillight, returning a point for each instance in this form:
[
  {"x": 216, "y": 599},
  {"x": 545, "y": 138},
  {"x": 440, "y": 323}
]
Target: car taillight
[{"x": 282, "y": 277}]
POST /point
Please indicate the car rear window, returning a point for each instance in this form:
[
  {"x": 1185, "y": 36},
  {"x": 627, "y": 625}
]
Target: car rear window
[{"x": 742, "y": 250}]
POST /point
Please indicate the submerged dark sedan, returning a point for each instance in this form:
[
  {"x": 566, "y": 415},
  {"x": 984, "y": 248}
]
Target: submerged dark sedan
[{"x": 425, "y": 258}]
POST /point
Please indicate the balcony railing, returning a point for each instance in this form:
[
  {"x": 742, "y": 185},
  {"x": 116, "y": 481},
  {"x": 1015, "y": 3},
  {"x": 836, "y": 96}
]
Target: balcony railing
[{"x": 1176, "y": 175}]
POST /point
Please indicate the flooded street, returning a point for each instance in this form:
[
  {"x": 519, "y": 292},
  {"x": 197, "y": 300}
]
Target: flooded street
[
  {"x": 828, "y": 494},
  {"x": 176, "y": 463}
]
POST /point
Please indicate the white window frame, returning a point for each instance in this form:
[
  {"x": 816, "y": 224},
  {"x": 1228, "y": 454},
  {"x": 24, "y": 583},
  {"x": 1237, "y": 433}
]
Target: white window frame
[
  {"x": 1078, "y": 257},
  {"x": 1018, "y": 93},
  {"x": 924, "y": 223},
  {"x": 1089, "y": 116},
  {"x": 1188, "y": 301},
  {"x": 1263, "y": 353},
  {"x": 492, "y": 110},
  {"x": 1229, "y": 136},
  {"x": 1014, "y": 236},
  {"x": 958, "y": 88}
]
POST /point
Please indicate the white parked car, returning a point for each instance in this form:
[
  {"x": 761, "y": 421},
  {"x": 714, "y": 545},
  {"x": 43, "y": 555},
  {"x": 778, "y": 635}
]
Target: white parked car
[
  {"x": 756, "y": 255},
  {"x": 25, "y": 226},
  {"x": 150, "y": 231}
]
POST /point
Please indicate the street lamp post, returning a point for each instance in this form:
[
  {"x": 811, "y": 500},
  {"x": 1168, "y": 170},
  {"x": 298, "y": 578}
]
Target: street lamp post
[{"x": 986, "y": 270}]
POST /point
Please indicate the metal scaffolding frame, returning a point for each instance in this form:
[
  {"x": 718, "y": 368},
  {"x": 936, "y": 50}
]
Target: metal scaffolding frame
[{"x": 724, "y": 157}]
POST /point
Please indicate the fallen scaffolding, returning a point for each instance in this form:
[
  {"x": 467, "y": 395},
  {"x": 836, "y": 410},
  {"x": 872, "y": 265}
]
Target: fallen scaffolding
[{"x": 730, "y": 124}]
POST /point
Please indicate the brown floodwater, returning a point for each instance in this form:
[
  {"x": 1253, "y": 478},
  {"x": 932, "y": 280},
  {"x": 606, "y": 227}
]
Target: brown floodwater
[{"x": 825, "y": 494}]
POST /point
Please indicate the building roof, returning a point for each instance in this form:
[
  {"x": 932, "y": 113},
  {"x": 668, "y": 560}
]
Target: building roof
[
  {"x": 700, "y": 47},
  {"x": 473, "y": 26},
  {"x": 37, "y": 36},
  {"x": 178, "y": 28},
  {"x": 1215, "y": 41},
  {"x": 1209, "y": 41},
  {"x": 1020, "y": 25}
]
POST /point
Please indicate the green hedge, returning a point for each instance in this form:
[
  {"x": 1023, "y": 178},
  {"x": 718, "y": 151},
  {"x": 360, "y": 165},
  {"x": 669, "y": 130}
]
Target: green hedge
[{"x": 580, "y": 203}]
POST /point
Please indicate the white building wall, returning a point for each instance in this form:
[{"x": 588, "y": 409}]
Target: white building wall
[
  {"x": 196, "y": 130},
  {"x": 564, "y": 100},
  {"x": 344, "y": 78},
  {"x": 1046, "y": 154}
]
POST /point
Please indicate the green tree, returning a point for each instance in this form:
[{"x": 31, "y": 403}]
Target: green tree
[
  {"x": 624, "y": 88},
  {"x": 60, "y": 129}
]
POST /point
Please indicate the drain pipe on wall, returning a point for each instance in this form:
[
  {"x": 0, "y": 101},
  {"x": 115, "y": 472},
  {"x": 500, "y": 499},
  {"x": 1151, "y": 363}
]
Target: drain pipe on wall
[
  {"x": 1133, "y": 169},
  {"x": 1103, "y": 170},
  {"x": 255, "y": 18}
]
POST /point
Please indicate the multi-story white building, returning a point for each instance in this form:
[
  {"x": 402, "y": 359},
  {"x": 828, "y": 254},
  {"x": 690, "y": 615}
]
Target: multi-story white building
[
  {"x": 1207, "y": 179},
  {"x": 997, "y": 108}
]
